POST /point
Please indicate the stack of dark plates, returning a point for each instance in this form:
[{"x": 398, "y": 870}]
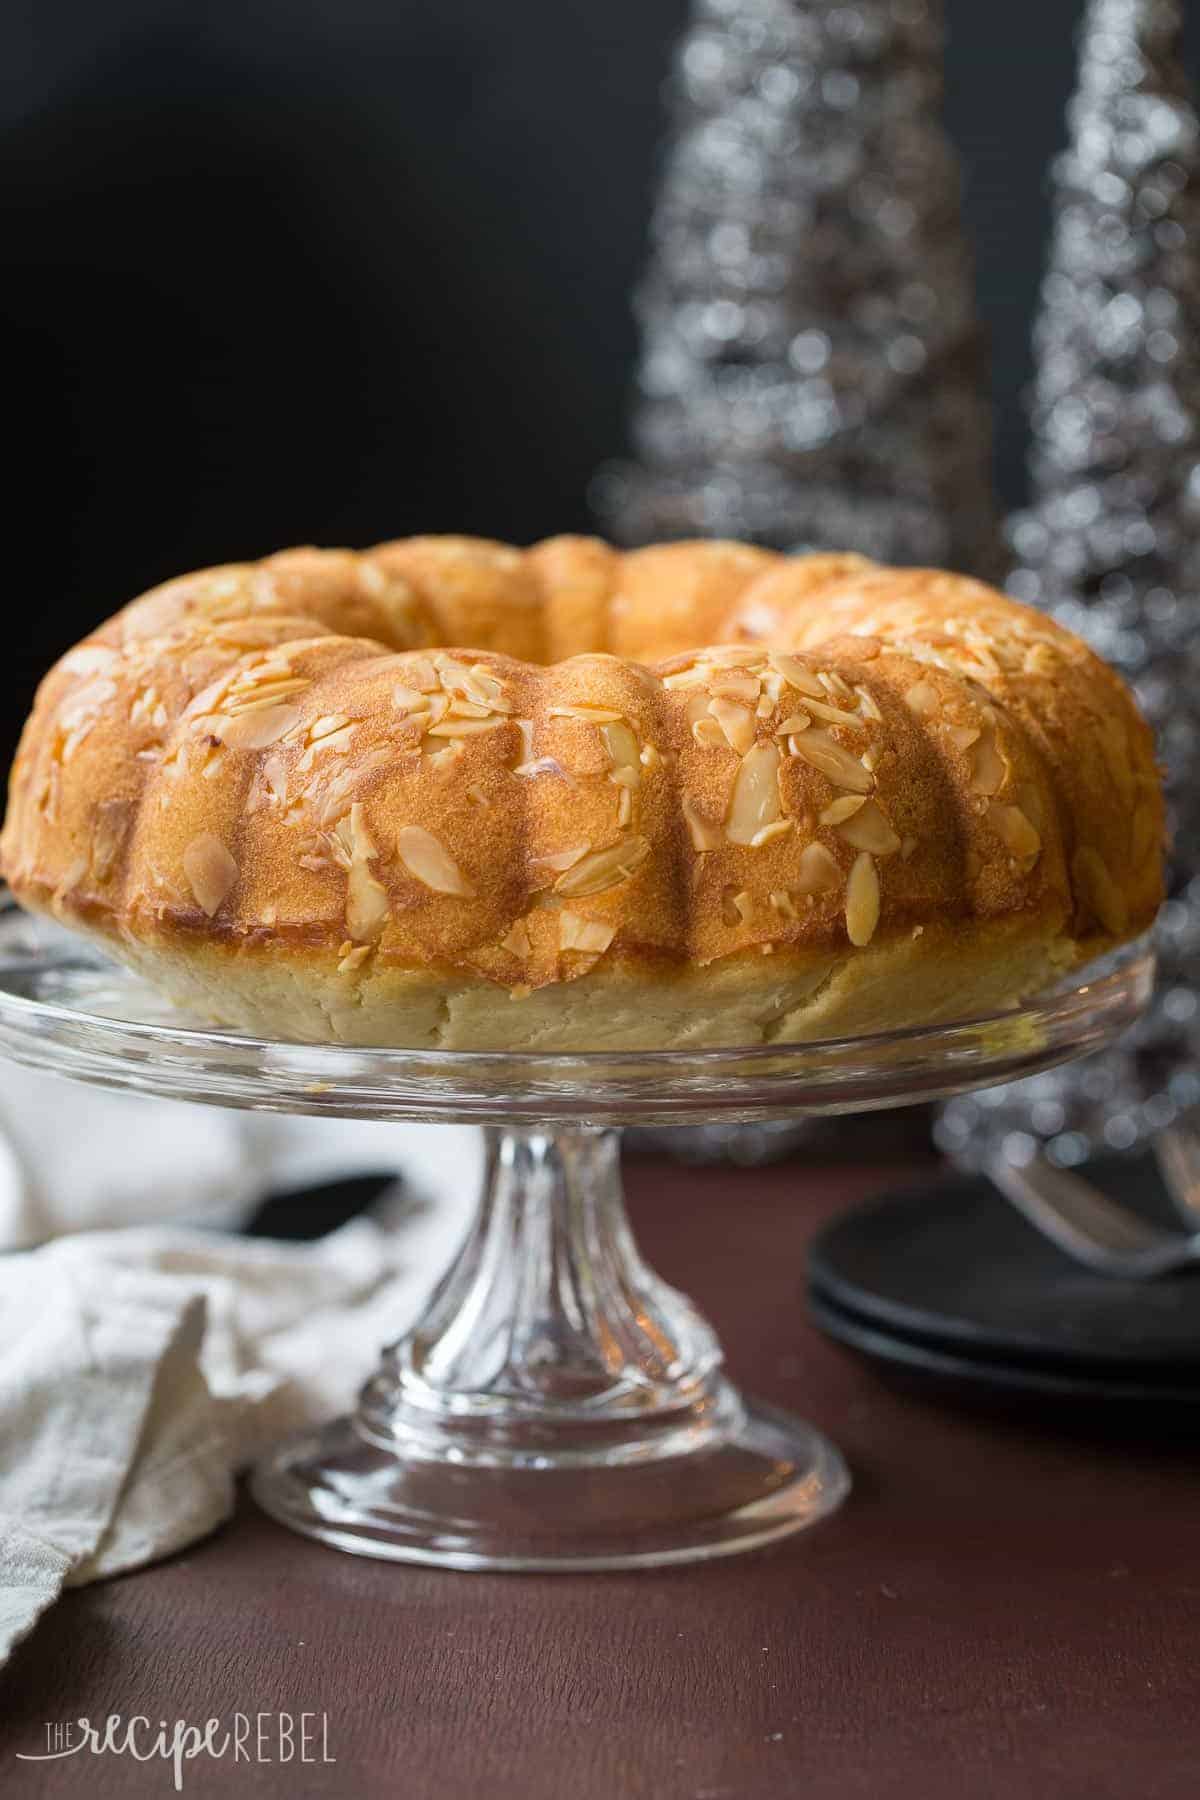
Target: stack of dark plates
[{"x": 949, "y": 1284}]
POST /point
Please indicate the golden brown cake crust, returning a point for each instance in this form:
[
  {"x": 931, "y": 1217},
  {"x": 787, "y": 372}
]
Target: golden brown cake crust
[{"x": 886, "y": 796}]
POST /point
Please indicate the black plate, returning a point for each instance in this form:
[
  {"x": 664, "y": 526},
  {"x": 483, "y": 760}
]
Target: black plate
[
  {"x": 953, "y": 1264},
  {"x": 915, "y": 1357}
]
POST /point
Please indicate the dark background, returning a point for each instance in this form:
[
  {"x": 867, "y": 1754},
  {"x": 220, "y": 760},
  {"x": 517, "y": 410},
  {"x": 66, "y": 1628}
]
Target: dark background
[{"x": 329, "y": 271}]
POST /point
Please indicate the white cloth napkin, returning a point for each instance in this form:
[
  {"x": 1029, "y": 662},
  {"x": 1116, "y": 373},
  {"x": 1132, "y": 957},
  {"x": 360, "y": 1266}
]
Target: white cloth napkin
[
  {"x": 140, "y": 1368},
  {"x": 77, "y": 1158}
]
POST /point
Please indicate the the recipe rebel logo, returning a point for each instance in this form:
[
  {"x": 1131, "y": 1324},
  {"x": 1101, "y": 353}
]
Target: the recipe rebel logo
[{"x": 262, "y": 1737}]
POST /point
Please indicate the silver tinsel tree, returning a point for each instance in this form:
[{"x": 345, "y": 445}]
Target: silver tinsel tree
[
  {"x": 1111, "y": 542},
  {"x": 811, "y": 371}
]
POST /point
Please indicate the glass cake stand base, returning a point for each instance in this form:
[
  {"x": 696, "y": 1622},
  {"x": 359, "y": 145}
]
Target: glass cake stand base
[
  {"x": 557, "y": 1406},
  {"x": 766, "y": 1476}
]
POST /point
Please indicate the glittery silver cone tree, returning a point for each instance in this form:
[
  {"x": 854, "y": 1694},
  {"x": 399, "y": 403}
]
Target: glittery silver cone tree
[
  {"x": 811, "y": 370},
  {"x": 1111, "y": 542}
]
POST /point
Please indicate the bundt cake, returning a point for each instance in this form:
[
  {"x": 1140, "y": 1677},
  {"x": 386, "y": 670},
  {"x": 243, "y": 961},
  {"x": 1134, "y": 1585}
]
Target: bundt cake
[{"x": 884, "y": 797}]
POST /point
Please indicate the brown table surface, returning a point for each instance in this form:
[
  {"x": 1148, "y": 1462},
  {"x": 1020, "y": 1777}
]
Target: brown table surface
[{"x": 1005, "y": 1608}]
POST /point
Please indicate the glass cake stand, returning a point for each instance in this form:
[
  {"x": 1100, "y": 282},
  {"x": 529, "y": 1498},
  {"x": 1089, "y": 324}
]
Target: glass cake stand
[{"x": 557, "y": 1406}]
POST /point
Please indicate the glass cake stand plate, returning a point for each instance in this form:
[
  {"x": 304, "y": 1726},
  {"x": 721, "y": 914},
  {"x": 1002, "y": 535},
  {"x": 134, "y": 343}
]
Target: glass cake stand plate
[{"x": 557, "y": 1405}]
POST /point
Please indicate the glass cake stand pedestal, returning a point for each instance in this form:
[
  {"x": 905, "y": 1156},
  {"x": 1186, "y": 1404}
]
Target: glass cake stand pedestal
[{"x": 557, "y": 1405}]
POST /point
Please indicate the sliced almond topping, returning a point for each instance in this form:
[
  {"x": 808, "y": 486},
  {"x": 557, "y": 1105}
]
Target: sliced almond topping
[
  {"x": 923, "y": 699},
  {"x": 988, "y": 767},
  {"x": 869, "y": 830},
  {"x": 72, "y": 875},
  {"x": 708, "y": 735},
  {"x": 796, "y": 674},
  {"x": 477, "y": 796},
  {"x": 255, "y": 730},
  {"x": 595, "y": 715},
  {"x": 907, "y": 848},
  {"x": 564, "y": 859},
  {"x": 734, "y": 684},
  {"x": 467, "y": 709},
  {"x": 835, "y": 684},
  {"x": 624, "y": 806},
  {"x": 112, "y": 822},
  {"x": 797, "y": 721},
  {"x": 367, "y": 906},
  {"x": 783, "y": 903},
  {"x": 419, "y": 708},
  {"x": 463, "y": 727},
  {"x": 622, "y": 747},
  {"x": 89, "y": 659},
  {"x": 822, "y": 753},
  {"x": 428, "y": 859},
  {"x": 817, "y": 871},
  {"x": 453, "y": 676},
  {"x": 409, "y": 699},
  {"x": 270, "y": 694},
  {"x": 329, "y": 725},
  {"x": 843, "y": 808},
  {"x": 736, "y": 906},
  {"x": 517, "y": 941},
  {"x": 963, "y": 736},
  {"x": 422, "y": 674},
  {"x": 545, "y": 765},
  {"x": 264, "y": 693},
  {"x": 704, "y": 834},
  {"x": 81, "y": 704},
  {"x": 868, "y": 705},
  {"x": 604, "y": 868},
  {"x": 274, "y": 777},
  {"x": 862, "y": 900},
  {"x": 1015, "y": 830},
  {"x": 684, "y": 678},
  {"x": 833, "y": 715},
  {"x": 649, "y": 757},
  {"x": 451, "y": 752},
  {"x": 1040, "y": 659},
  {"x": 1098, "y": 890},
  {"x": 210, "y": 869},
  {"x": 50, "y": 793},
  {"x": 737, "y": 723},
  {"x": 736, "y": 656},
  {"x": 577, "y": 933},
  {"x": 66, "y": 747},
  {"x": 779, "y": 828},
  {"x": 486, "y": 689},
  {"x": 143, "y": 704},
  {"x": 353, "y": 956},
  {"x": 755, "y": 798}
]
